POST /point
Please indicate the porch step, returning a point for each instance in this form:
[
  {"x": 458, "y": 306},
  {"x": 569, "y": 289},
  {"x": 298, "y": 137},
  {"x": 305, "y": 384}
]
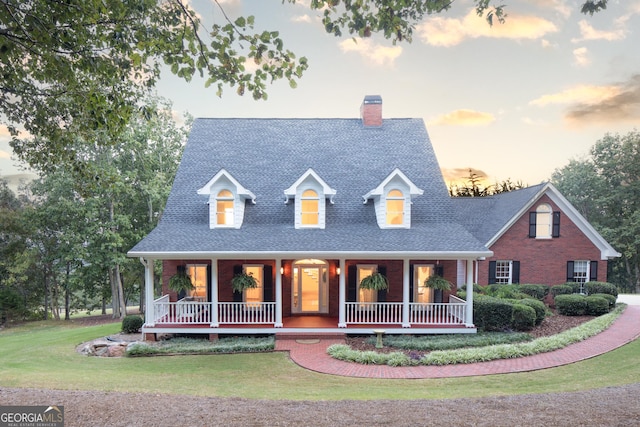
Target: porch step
[{"x": 302, "y": 335}]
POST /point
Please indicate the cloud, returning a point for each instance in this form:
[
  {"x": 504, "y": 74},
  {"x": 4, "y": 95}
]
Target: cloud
[
  {"x": 439, "y": 31},
  {"x": 464, "y": 117},
  {"x": 587, "y": 32},
  {"x": 302, "y": 18},
  {"x": 614, "y": 103},
  {"x": 581, "y": 57},
  {"x": 379, "y": 54}
]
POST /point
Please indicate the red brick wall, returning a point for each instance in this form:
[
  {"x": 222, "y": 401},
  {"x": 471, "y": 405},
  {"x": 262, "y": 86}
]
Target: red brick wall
[{"x": 543, "y": 261}]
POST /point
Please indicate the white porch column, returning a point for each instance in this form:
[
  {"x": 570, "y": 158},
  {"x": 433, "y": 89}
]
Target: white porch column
[
  {"x": 406, "y": 281},
  {"x": 342, "y": 295},
  {"x": 149, "y": 316},
  {"x": 215, "y": 322},
  {"x": 469, "y": 320},
  {"x": 278, "y": 323}
]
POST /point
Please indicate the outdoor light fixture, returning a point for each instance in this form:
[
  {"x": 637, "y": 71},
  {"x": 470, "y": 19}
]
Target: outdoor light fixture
[{"x": 338, "y": 271}]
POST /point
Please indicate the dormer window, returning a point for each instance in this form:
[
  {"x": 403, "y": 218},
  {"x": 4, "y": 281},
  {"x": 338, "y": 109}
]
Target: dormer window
[
  {"x": 310, "y": 208},
  {"x": 544, "y": 223},
  {"x": 395, "y": 208},
  {"x": 392, "y": 200},
  {"x": 224, "y": 208},
  {"x": 309, "y": 193},
  {"x": 227, "y": 199}
]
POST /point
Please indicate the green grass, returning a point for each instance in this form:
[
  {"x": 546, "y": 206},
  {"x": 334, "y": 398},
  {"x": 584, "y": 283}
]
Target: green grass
[{"x": 42, "y": 355}]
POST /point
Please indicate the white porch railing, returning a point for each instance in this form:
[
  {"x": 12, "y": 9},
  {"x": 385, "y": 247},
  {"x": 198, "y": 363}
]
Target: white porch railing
[
  {"x": 373, "y": 312},
  {"x": 436, "y": 313},
  {"x": 241, "y": 313},
  {"x": 160, "y": 308},
  {"x": 181, "y": 312}
]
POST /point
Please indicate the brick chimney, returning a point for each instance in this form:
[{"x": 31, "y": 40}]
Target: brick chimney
[{"x": 371, "y": 111}]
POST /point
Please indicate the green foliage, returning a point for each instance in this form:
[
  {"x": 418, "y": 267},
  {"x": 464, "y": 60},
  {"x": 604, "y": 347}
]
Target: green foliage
[
  {"x": 243, "y": 281},
  {"x": 376, "y": 281},
  {"x": 505, "y": 291},
  {"x": 610, "y": 299},
  {"x": 523, "y": 318},
  {"x": 571, "y": 305},
  {"x": 561, "y": 290},
  {"x": 597, "y": 306},
  {"x": 200, "y": 346},
  {"x": 450, "y": 342},
  {"x": 538, "y": 292},
  {"x": 538, "y": 306},
  {"x": 437, "y": 282},
  {"x": 12, "y": 307},
  {"x": 601, "y": 288},
  {"x": 181, "y": 282},
  {"x": 491, "y": 314},
  {"x": 132, "y": 324}
]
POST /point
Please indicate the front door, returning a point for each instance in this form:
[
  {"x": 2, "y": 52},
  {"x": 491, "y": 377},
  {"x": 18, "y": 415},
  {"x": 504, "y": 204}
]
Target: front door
[{"x": 310, "y": 286}]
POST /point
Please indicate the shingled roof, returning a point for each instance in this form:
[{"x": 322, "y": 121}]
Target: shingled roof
[{"x": 268, "y": 155}]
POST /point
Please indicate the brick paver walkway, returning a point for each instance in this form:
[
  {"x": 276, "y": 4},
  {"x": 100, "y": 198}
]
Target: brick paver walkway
[{"x": 314, "y": 356}]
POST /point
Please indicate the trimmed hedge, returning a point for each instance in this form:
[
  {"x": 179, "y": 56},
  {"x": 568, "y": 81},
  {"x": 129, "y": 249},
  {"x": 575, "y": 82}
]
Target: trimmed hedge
[
  {"x": 571, "y": 305},
  {"x": 597, "y": 306},
  {"x": 610, "y": 298},
  {"x": 523, "y": 317},
  {"x": 538, "y": 292},
  {"x": 538, "y": 306},
  {"x": 561, "y": 290},
  {"x": 132, "y": 324},
  {"x": 601, "y": 288},
  {"x": 492, "y": 314}
]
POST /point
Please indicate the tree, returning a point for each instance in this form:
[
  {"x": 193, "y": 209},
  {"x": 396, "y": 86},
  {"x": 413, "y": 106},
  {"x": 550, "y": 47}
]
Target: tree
[
  {"x": 605, "y": 188},
  {"x": 76, "y": 69},
  {"x": 474, "y": 187}
]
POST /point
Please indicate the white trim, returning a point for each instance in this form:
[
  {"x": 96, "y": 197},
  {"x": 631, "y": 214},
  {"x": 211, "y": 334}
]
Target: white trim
[
  {"x": 380, "y": 189},
  {"x": 606, "y": 250},
  {"x": 327, "y": 191},
  {"x": 240, "y": 190},
  {"x": 194, "y": 255}
]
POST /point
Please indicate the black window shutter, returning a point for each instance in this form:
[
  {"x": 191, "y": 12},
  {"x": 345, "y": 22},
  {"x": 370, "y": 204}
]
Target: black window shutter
[
  {"x": 352, "y": 286},
  {"x": 570, "y": 271},
  {"x": 492, "y": 272},
  {"x": 382, "y": 293},
  {"x": 440, "y": 270},
  {"x": 515, "y": 272},
  {"x": 181, "y": 269},
  {"x": 411, "y": 283},
  {"x": 267, "y": 286},
  {"x": 593, "y": 274},
  {"x": 209, "y": 282},
  {"x": 237, "y": 296},
  {"x": 532, "y": 224},
  {"x": 555, "y": 231}
]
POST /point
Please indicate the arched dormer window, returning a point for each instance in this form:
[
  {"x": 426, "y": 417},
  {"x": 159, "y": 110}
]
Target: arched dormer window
[
  {"x": 543, "y": 221},
  {"x": 224, "y": 208},
  {"x": 310, "y": 209},
  {"x": 395, "y": 208}
]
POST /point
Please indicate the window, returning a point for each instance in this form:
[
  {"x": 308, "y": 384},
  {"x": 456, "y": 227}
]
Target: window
[
  {"x": 254, "y": 297},
  {"x": 310, "y": 209},
  {"x": 544, "y": 223},
  {"x": 581, "y": 271},
  {"x": 224, "y": 208},
  {"x": 504, "y": 272},
  {"x": 421, "y": 293},
  {"x": 395, "y": 207},
  {"x": 366, "y": 296},
  {"x": 198, "y": 275}
]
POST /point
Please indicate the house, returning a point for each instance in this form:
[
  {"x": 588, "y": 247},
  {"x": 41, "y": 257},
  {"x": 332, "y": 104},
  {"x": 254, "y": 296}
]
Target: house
[{"x": 310, "y": 207}]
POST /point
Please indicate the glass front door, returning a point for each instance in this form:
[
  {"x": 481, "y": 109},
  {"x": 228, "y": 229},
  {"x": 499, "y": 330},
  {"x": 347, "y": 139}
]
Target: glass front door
[{"x": 310, "y": 285}]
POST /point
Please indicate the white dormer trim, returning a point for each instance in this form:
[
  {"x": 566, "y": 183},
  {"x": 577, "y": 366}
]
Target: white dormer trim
[
  {"x": 310, "y": 180},
  {"x": 223, "y": 180},
  {"x": 396, "y": 180}
]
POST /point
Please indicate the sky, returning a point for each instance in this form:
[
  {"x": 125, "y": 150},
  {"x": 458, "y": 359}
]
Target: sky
[{"x": 511, "y": 101}]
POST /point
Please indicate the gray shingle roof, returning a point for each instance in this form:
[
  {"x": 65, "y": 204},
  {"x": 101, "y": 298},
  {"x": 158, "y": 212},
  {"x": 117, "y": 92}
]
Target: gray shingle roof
[{"x": 268, "y": 155}]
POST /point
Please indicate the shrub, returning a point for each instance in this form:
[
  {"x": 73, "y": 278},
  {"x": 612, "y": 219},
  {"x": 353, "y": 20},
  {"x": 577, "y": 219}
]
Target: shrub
[
  {"x": 601, "y": 288},
  {"x": 610, "y": 298},
  {"x": 523, "y": 317},
  {"x": 538, "y": 306},
  {"x": 491, "y": 314},
  {"x": 597, "y": 306},
  {"x": 571, "y": 305},
  {"x": 505, "y": 291},
  {"x": 131, "y": 324},
  {"x": 561, "y": 290},
  {"x": 538, "y": 292}
]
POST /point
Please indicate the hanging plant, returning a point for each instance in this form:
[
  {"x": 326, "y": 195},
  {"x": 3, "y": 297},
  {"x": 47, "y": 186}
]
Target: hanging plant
[
  {"x": 437, "y": 282},
  {"x": 243, "y": 281},
  {"x": 376, "y": 282},
  {"x": 180, "y": 282}
]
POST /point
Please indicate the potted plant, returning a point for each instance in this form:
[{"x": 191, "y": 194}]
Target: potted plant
[
  {"x": 376, "y": 282},
  {"x": 181, "y": 283},
  {"x": 243, "y": 281},
  {"x": 439, "y": 284}
]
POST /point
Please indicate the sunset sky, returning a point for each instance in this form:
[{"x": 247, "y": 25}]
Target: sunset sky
[{"x": 516, "y": 100}]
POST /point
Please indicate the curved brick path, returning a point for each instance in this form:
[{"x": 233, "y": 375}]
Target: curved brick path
[{"x": 314, "y": 356}]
